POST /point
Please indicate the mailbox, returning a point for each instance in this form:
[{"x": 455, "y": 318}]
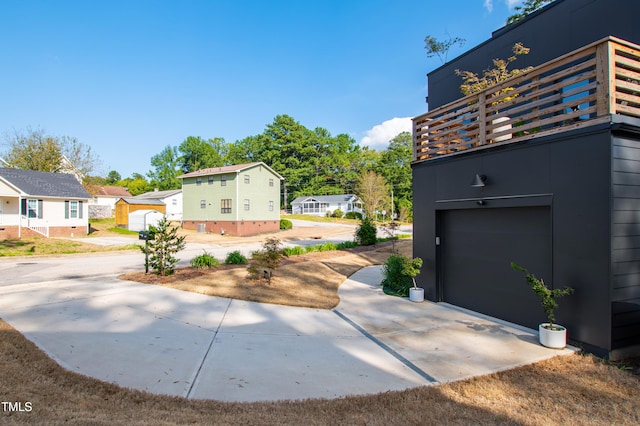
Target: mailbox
[{"x": 144, "y": 235}]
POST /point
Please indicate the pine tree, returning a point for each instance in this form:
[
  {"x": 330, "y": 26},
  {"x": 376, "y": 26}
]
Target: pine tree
[{"x": 163, "y": 243}]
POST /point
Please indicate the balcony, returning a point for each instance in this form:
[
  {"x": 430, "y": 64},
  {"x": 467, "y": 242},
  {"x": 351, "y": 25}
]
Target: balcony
[{"x": 582, "y": 88}]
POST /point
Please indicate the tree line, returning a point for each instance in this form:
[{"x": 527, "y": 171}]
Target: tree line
[{"x": 313, "y": 162}]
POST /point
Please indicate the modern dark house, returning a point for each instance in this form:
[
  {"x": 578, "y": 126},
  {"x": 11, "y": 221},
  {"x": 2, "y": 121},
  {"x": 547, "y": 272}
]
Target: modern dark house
[{"x": 549, "y": 178}]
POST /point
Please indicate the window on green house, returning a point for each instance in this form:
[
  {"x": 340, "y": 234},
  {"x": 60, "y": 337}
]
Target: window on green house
[
  {"x": 246, "y": 204},
  {"x": 225, "y": 205}
]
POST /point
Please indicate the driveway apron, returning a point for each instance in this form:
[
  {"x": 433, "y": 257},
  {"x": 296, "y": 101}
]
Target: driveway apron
[{"x": 171, "y": 342}]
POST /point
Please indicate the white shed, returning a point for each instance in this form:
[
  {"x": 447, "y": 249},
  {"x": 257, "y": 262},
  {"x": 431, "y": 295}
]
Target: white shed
[{"x": 141, "y": 219}]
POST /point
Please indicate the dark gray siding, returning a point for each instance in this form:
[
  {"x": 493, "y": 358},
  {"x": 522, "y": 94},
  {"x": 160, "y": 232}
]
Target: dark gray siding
[
  {"x": 625, "y": 240},
  {"x": 571, "y": 174}
]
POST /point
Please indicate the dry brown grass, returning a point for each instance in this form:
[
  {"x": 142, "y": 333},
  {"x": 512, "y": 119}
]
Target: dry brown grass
[
  {"x": 309, "y": 280},
  {"x": 564, "y": 390}
]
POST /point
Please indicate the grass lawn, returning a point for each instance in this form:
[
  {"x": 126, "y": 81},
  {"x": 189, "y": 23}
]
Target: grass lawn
[
  {"x": 573, "y": 389},
  {"x": 53, "y": 246}
]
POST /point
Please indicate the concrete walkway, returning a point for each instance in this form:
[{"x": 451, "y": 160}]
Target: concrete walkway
[{"x": 177, "y": 343}]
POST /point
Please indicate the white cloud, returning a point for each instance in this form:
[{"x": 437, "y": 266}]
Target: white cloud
[
  {"x": 378, "y": 136},
  {"x": 512, "y": 3},
  {"x": 488, "y": 4}
]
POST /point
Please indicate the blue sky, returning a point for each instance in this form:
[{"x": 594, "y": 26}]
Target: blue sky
[{"x": 128, "y": 78}]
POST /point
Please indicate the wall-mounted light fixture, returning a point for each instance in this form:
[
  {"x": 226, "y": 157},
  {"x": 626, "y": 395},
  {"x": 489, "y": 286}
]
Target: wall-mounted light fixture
[{"x": 478, "y": 181}]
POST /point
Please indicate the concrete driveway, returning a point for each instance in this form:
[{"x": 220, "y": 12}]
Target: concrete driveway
[{"x": 171, "y": 342}]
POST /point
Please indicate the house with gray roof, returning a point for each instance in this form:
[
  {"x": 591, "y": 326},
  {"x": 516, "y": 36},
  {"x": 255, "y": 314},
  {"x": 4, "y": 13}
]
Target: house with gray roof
[
  {"x": 36, "y": 204},
  {"x": 320, "y": 205}
]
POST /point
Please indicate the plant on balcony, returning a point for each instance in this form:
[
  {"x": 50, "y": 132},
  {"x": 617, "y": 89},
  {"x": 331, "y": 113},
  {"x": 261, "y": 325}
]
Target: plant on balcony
[{"x": 473, "y": 83}]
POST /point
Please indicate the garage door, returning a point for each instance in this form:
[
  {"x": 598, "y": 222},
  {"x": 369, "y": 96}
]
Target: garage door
[{"x": 477, "y": 247}]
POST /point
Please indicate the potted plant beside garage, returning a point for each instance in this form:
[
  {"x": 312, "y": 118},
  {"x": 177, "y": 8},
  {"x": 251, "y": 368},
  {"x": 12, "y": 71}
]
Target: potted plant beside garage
[
  {"x": 399, "y": 273},
  {"x": 550, "y": 334}
]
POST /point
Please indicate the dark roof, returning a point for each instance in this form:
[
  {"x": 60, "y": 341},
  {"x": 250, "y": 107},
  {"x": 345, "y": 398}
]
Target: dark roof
[
  {"x": 342, "y": 198},
  {"x": 43, "y": 184}
]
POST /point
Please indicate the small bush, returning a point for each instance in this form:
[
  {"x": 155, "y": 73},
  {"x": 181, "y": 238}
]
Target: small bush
[
  {"x": 235, "y": 258},
  {"x": 398, "y": 272},
  {"x": 285, "y": 224},
  {"x": 337, "y": 213},
  {"x": 294, "y": 251},
  {"x": 366, "y": 233},
  {"x": 205, "y": 260},
  {"x": 353, "y": 215},
  {"x": 264, "y": 262}
]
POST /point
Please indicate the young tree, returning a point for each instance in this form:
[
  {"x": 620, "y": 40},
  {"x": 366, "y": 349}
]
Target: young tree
[
  {"x": 373, "y": 191},
  {"x": 264, "y": 262},
  {"x": 163, "y": 244},
  {"x": 395, "y": 166},
  {"x": 435, "y": 47}
]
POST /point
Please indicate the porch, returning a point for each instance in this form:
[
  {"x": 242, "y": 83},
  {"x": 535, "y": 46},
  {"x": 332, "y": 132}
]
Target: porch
[{"x": 582, "y": 88}]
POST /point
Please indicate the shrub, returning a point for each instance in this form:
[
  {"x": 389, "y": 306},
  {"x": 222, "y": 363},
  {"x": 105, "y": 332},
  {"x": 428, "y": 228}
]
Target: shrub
[
  {"x": 337, "y": 213},
  {"x": 163, "y": 243},
  {"x": 285, "y": 224},
  {"x": 366, "y": 233},
  {"x": 205, "y": 260},
  {"x": 235, "y": 258},
  {"x": 398, "y": 272},
  {"x": 353, "y": 215},
  {"x": 264, "y": 262}
]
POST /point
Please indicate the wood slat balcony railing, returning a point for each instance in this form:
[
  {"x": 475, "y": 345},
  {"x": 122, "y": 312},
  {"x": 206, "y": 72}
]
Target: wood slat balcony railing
[{"x": 582, "y": 88}]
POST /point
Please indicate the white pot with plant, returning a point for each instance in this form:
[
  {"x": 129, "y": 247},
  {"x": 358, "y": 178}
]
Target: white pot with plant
[
  {"x": 473, "y": 83},
  {"x": 399, "y": 273},
  {"x": 416, "y": 294},
  {"x": 550, "y": 334}
]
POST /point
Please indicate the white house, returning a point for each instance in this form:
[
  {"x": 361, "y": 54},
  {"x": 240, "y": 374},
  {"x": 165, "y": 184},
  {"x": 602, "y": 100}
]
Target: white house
[
  {"x": 103, "y": 200},
  {"x": 319, "y": 205},
  {"x": 41, "y": 204},
  {"x": 171, "y": 198}
]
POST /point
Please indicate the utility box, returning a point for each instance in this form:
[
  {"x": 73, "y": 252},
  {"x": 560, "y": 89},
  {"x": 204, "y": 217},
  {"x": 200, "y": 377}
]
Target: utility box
[{"x": 140, "y": 220}]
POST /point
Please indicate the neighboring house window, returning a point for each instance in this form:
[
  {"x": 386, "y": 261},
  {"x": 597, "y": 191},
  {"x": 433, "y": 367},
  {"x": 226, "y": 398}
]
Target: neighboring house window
[
  {"x": 198, "y": 181},
  {"x": 270, "y": 206},
  {"x": 174, "y": 202},
  {"x": 247, "y": 179},
  {"x": 270, "y": 182},
  {"x": 223, "y": 181},
  {"x": 203, "y": 204},
  {"x": 246, "y": 204},
  {"x": 225, "y": 205},
  {"x": 210, "y": 180},
  {"x": 32, "y": 208},
  {"x": 73, "y": 209}
]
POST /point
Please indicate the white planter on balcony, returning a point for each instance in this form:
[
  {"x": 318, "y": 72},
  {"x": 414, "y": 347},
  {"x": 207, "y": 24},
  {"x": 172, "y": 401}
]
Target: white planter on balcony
[{"x": 500, "y": 129}]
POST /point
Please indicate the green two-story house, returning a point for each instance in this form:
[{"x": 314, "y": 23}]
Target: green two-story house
[{"x": 239, "y": 200}]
